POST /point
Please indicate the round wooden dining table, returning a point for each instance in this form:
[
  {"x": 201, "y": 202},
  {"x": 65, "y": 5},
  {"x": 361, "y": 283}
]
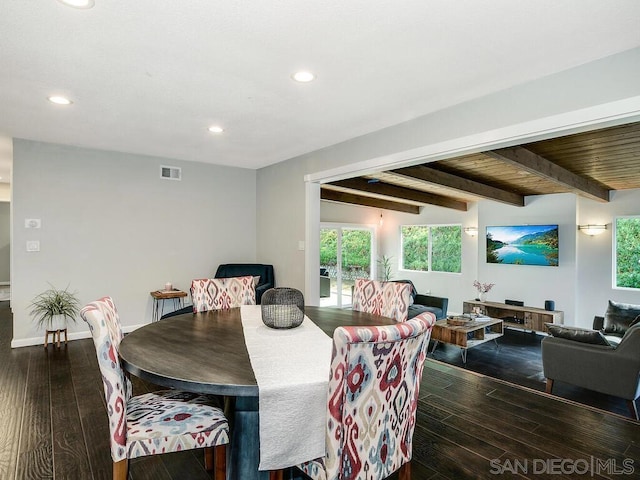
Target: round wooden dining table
[{"x": 206, "y": 353}]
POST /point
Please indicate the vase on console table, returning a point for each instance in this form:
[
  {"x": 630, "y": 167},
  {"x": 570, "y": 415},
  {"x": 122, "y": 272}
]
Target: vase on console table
[{"x": 483, "y": 296}]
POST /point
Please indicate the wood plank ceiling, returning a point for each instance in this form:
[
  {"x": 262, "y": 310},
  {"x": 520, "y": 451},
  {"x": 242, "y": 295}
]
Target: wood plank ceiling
[{"x": 590, "y": 164}]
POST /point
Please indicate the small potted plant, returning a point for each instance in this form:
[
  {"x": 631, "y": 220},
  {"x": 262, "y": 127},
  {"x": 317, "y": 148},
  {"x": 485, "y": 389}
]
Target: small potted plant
[
  {"x": 385, "y": 268},
  {"x": 54, "y": 307},
  {"x": 483, "y": 289}
]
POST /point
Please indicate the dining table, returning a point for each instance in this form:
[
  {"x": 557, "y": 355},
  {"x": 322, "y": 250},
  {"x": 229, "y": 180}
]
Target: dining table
[{"x": 206, "y": 353}]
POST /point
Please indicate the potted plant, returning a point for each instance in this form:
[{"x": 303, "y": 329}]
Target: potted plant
[
  {"x": 385, "y": 268},
  {"x": 53, "y": 307},
  {"x": 483, "y": 289}
]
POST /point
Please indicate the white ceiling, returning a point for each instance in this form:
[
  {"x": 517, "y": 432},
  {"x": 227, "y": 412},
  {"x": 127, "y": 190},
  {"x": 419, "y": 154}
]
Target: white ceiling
[{"x": 150, "y": 76}]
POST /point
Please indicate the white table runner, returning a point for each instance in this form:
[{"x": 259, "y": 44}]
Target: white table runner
[{"x": 291, "y": 367}]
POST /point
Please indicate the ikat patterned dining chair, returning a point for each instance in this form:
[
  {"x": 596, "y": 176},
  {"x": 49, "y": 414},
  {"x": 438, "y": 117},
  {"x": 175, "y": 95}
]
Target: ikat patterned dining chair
[
  {"x": 153, "y": 423},
  {"x": 372, "y": 402},
  {"x": 389, "y": 299},
  {"x": 222, "y": 293}
]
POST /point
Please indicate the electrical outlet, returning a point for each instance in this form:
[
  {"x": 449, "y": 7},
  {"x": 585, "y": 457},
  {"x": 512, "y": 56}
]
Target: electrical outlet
[
  {"x": 33, "y": 245},
  {"x": 32, "y": 223}
]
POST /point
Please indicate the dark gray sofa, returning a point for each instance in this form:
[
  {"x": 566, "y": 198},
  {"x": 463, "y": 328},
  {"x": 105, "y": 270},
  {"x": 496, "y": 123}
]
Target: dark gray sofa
[
  {"x": 603, "y": 368},
  {"x": 426, "y": 303},
  {"x": 617, "y": 319},
  {"x": 605, "y": 359}
]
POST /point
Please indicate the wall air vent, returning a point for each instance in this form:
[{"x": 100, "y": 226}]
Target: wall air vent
[{"x": 170, "y": 173}]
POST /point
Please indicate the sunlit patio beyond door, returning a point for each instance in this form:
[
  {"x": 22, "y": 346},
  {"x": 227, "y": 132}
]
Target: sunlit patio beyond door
[{"x": 346, "y": 253}]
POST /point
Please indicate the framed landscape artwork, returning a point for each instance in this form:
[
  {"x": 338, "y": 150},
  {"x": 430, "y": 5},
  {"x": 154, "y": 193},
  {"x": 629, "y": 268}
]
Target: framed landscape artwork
[{"x": 523, "y": 245}]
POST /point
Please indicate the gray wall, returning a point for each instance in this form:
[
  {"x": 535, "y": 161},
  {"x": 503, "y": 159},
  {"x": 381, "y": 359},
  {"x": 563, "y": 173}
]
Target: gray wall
[
  {"x": 533, "y": 284},
  {"x": 111, "y": 226},
  {"x": 594, "y": 264},
  {"x": 5, "y": 241},
  {"x": 491, "y": 119}
]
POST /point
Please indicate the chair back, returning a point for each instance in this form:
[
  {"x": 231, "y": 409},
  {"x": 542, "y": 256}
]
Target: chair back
[
  {"x": 264, "y": 271},
  {"x": 373, "y": 397},
  {"x": 222, "y": 293},
  {"x": 389, "y": 299},
  {"x": 630, "y": 345},
  {"x": 106, "y": 331}
]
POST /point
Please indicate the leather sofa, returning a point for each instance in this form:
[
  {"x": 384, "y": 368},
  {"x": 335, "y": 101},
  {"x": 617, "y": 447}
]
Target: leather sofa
[
  {"x": 605, "y": 359},
  {"x": 426, "y": 303},
  {"x": 618, "y": 318}
]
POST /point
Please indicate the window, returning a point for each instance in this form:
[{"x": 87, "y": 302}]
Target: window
[
  {"x": 627, "y": 252},
  {"x": 432, "y": 248}
]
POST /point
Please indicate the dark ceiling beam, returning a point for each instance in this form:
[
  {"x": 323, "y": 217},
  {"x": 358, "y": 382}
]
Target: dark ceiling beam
[
  {"x": 461, "y": 184},
  {"x": 344, "y": 197},
  {"x": 381, "y": 188},
  {"x": 538, "y": 165}
]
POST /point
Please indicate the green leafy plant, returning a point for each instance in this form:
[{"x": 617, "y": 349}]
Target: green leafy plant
[
  {"x": 54, "y": 302},
  {"x": 385, "y": 268}
]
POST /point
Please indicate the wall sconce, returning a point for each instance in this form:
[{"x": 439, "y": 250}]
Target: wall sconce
[
  {"x": 592, "y": 229},
  {"x": 471, "y": 231}
]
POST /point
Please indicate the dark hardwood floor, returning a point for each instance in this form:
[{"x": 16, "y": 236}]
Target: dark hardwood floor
[
  {"x": 518, "y": 360},
  {"x": 54, "y": 424}
]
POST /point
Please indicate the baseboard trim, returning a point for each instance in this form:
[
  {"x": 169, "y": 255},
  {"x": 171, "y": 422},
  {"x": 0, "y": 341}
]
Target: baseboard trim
[{"x": 30, "y": 342}]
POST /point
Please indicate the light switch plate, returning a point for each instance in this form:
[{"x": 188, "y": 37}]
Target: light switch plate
[
  {"x": 32, "y": 223},
  {"x": 33, "y": 245},
  {"x": 300, "y": 244}
]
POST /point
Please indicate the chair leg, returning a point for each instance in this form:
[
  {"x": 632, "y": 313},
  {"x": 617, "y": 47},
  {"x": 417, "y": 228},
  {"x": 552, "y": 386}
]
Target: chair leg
[
  {"x": 549, "y": 385},
  {"x": 276, "y": 475},
  {"x": 121, "y": 469},
  {"x": 208, "y": 459},
  {"x": 405, "y": 472},
  {"x": 220, "y": 472},
  {"x": 633, "y": 409}
]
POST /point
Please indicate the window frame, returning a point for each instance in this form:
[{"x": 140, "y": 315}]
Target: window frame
[
  {"x": 429, "y": 227},
  {"x": 614, "y": 253},
  {"x": 340, "y": 227}
]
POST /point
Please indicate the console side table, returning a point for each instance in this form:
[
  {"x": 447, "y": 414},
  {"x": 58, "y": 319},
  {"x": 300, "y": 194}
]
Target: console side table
[
  {"x": 526, "y": 318},
  {"x": 159, "y": 298}
]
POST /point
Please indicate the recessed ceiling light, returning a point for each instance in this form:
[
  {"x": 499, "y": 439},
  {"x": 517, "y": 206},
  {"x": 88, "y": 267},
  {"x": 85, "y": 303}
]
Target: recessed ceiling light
[
  {"x": 303, "y": 76},
  {"x": 216, "y": 129},
  {"x": 78, "y": 3},
  {"x": 58, "y": 100}
]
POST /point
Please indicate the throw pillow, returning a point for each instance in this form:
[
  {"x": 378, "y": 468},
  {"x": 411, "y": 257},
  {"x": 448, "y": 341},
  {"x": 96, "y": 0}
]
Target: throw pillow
[
  {"x": 582, "y": 335},
  {"x": 256, "y": 280},
  {"x": 619, "y": 316}
]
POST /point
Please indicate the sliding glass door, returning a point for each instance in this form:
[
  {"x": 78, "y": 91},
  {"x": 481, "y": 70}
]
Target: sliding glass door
[{"x": 346, "y": 253}]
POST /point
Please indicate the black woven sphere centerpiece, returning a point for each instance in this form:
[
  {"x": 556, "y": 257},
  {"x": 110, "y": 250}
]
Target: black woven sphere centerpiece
[{"x": 282, "y": 307}]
